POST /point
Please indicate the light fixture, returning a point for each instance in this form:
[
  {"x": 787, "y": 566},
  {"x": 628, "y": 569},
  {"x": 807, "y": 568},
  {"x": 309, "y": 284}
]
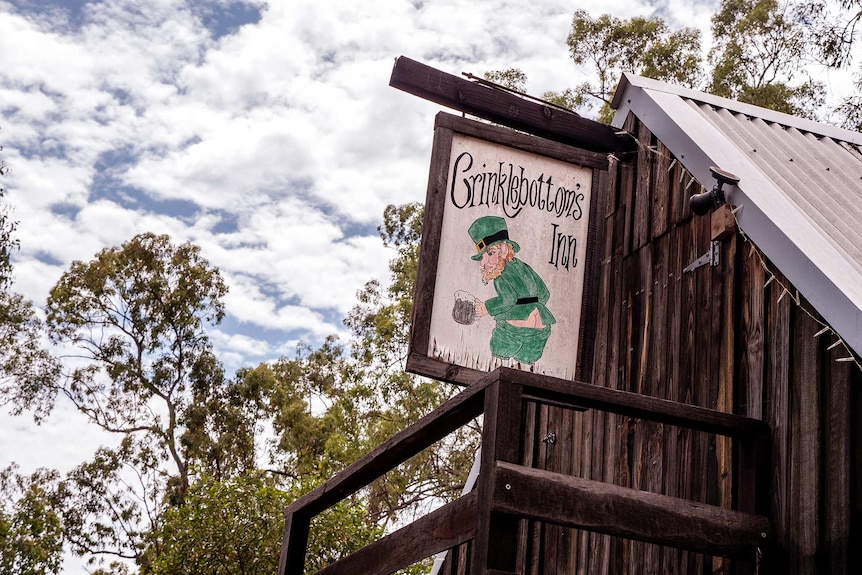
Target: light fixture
[{"x": 702, "y": 204}]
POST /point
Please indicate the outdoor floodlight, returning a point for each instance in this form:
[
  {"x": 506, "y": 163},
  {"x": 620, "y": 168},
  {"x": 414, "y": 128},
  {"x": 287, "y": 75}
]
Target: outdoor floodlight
[{"x": 702, "y": 204}]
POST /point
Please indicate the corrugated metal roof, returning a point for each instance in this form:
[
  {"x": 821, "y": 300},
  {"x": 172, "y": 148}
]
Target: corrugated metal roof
[{"x": 800, "y": 185}]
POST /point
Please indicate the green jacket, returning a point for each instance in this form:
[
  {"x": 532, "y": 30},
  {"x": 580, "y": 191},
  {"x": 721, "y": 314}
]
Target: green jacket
[{"x": 519, "y": 282}]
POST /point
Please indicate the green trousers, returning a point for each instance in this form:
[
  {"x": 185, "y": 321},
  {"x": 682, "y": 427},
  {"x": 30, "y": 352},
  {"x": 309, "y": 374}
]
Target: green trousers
[{"x": 525, "y": 344}]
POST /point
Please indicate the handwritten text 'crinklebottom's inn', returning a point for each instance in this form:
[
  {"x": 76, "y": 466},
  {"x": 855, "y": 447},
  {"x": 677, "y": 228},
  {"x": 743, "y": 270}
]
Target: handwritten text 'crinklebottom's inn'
[{"x": 511, "y": 189}]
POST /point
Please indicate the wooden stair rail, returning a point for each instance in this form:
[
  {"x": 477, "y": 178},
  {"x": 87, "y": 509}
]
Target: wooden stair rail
[{"x": 508, "y": 492}]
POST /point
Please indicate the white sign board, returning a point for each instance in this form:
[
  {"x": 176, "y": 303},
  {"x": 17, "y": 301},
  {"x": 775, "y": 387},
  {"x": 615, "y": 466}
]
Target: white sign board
[{"x": 511, "y": 259}]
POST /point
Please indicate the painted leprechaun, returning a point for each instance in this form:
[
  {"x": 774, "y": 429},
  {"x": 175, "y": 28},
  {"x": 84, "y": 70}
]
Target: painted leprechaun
[{"x": 523, "y": 320}]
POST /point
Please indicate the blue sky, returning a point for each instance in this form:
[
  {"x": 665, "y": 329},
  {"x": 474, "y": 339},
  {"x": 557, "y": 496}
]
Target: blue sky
[{"x": 263, "y": 131}]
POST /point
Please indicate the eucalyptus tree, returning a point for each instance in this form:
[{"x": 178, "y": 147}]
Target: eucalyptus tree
[
  {"x": 760, "y": 52},
  {"x": 25, "y": 366},
  {"x": 607, "y": 46},
  {"x": 390, "y": 398},
  {"x": 234, "y": 527},
  {"x": 31, "y": 528},
  {"x": 835, "y": 28},
  {"x": 132, "y": 323}
]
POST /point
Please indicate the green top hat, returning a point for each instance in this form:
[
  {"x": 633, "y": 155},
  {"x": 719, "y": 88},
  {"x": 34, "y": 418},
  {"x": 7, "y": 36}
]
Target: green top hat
[{"x": 487, "y": 231}]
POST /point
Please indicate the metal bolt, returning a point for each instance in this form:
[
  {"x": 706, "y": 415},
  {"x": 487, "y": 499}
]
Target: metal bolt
[{"x": 509, "y": 488}]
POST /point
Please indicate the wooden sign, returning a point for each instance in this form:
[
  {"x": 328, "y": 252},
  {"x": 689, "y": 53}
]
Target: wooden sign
[{"x": 505, "y": 261}]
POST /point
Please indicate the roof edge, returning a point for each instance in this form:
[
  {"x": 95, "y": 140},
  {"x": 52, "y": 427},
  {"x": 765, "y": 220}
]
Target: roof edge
[
  {"x": 696, "y": 143},
  {"x": 628, "y": 81}
]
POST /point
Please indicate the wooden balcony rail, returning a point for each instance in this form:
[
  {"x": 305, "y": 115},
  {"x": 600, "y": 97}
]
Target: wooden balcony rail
[{"x": 507, "y": 492}]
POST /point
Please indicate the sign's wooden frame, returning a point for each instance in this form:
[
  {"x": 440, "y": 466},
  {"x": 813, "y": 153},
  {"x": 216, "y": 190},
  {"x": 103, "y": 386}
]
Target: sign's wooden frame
[{"x": 446, "y": 125}]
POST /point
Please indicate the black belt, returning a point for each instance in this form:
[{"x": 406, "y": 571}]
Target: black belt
[{"x": 523, "y": 300}]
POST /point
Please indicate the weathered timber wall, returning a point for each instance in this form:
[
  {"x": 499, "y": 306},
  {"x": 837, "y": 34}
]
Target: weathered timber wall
[{"x": 714, "y": 337}]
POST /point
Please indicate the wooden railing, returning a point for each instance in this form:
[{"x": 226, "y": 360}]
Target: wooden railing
[{"x": 507, "y": 492}]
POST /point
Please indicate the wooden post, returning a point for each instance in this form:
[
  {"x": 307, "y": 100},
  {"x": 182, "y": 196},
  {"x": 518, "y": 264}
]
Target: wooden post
[
  {"x": 496, "y": 543},
  {"x": 292, "y": 559}
]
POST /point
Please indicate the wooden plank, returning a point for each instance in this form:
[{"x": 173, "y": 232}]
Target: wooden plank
[
  {"x": 429, "y": 250},
  {"x": 838, "y": 465},
  {"x": 453, "y": 414},
  {"x": 679, "y": 209},
  {"x": 580, "y": 394},
  {"x": 521, "y": 141},
  {"x": 641, "y": 332},
  {"x": 805, "y": 377},
  {"x": 554, "y": 553},
  {"x": 503, "y": 107},
  {"x": 421, "y": 364},
  {"x": 661, "y": 186},
  {"x": 777, "y": 406},
  {"x": 627, "y": 512},
  {"x": 657, "y": 382},
  {"x": 641, "y": 229},
  {"x": 726, "y": 290},
  {"x": 611, "y": 547},
  {"x": 686, "y": 358},
  {"x": 629, "y": 185},
  {"x": 528, "y": 458},
  {"x": 442, "y": 529},
  {"x": 613, "y": 188},
  {"x": 590, "y": 311},
  {"x": 293, "y": 543},
  {"x": 753, "y": 326},
  {"x": 674, "y": 319},
  {"x": 582, "y": 543},
  {"x": 496, "y": 542},
  {"x": 704, "y": 373}
]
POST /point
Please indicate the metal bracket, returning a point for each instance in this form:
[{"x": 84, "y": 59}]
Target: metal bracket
[{"x": 710, "y": 257}]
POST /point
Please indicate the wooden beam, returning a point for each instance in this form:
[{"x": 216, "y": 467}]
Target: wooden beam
[
  {"x": 580, "y": 394},
  {"x": 504, "y": 107},
  {"x": 629, "y": 513},
  {"x": 294, "y": 543},
  {"x": 496, "y": 543},
  {"x": 442, "y": 529}
]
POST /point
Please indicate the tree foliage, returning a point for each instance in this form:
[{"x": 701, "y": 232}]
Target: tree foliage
[
  {"x": 609, "y": 46},
  {"x": 234, "y": 527},
  {"x": 135, "y": 317},
  {"x": 31, "y": 530},
  {"x": 133, "y": 323},
  {"x": 759, "y": 49},
  {"x": 392, "y": 398},
  {"x": 835, "y": 31},
  {"x": 25, "y": 366},
  {"x": 512, "y": 78},
  {"x": 8, "y": 243}
]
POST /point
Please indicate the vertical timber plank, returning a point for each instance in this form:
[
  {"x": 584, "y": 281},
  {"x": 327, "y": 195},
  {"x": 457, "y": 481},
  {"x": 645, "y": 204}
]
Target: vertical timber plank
[
  {"x": 753, "y": 316},
  {"x": 674, "y": 319},
  {"x": 628, "y": 175},
  {"x": 838, "y": 465},
  {"x": 726, "y": 372},
  {"x": 528, "y": 459},
  {"x": 496, "y": 543},
  {"x": 641, "y": 233},
  {"x": 294, "y": 543},
  {"x": 661, "y": 195},
  {"x": 778, "y": 414},
  {"x": 805, "y": 462},
  {"x": 656, "y": 378}
]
